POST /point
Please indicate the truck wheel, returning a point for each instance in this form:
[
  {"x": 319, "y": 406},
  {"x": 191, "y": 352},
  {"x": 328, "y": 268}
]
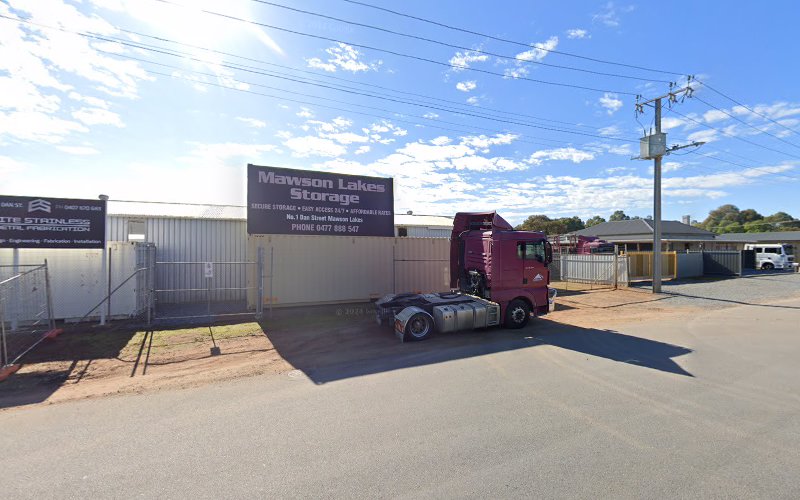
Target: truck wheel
[
  {"x": 419, "y": 327},
  {"x": 767, "y": 266},
  {"x": 517, "y": 314}
]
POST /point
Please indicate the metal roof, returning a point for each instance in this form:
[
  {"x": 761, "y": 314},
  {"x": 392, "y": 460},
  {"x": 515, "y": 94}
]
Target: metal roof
[
  {"x": 237, "y": 212},
  {"x": 643, "y": 229},
  {"x": 770, "y": 237}
]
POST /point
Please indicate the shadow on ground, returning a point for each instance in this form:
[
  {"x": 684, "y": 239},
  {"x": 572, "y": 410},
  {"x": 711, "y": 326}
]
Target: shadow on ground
[
  {"x": 337, "y": 348},
  {"x": 326, "y": 343}
]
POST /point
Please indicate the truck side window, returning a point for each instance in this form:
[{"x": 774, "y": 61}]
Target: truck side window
[{"x": 532, "y": 250}]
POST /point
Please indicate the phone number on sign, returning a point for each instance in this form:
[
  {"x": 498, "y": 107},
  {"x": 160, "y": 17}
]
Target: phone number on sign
[{"x": 325, "y": 228}]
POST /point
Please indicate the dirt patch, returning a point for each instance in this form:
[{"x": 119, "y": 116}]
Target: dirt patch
[{"x": 325, "y": 343}]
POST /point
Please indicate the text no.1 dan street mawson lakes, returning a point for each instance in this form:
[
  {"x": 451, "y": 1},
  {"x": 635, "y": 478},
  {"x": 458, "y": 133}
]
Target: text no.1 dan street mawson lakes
[
  {"x": 29, "y": 222},
  {"x": 288, "y": 201}
]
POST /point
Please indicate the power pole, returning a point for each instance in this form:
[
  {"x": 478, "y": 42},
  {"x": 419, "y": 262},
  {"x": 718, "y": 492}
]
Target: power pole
[{"x": 654, "y": 146}]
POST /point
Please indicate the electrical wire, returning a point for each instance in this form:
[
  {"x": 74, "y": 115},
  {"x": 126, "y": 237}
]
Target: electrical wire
[
  {"x": 261, "y": 72},
  {"x": 736, "y": 136},
  {"x": 396, "y": 53},
  {"x": 506, "y": 40},
  {"x": 453, "y": 46},
  {"x": 709, "y": 87},
  {"x": 744, "y": 122},
  {"x": 290, "y": 68}
]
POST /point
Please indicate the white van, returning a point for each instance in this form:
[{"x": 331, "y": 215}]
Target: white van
[{"x": 772, "y": 255}]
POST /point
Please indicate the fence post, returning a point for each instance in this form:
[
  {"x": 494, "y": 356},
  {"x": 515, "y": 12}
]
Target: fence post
[
  {"x": 108, "y": 287},
  {"x": 104, "y": 268},
  {"x": 48, "y": 291},
  {"x": 616, "y": 267},
  {"x": 260, "y": 298},
  {"x": 271, "y": 278},
  {"x": 16, "y": 295}
]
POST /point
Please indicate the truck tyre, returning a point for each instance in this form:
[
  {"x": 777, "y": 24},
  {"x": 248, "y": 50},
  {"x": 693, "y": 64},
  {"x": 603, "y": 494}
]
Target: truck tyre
[
  {"x": 419, "y": 327},
  {"x": 517, "y": 314},
  {"x": 767, "y": 266}
]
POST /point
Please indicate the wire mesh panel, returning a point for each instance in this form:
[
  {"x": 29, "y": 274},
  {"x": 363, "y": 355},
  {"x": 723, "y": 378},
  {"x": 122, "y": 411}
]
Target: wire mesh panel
[
  {"x": 599, "y": 270},
  {"x": 25, "y": 310},
  {"x": 204, "y": 290}
]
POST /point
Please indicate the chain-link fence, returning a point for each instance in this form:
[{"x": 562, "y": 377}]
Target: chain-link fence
[{"x": 26, "y": 310}]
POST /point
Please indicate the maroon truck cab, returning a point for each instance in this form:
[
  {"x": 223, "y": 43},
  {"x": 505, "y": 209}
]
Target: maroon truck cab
[{"x": 488, "y": 258}]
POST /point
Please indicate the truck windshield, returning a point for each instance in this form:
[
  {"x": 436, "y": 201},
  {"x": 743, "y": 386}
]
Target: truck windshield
[{"x": 788, "y": 249}]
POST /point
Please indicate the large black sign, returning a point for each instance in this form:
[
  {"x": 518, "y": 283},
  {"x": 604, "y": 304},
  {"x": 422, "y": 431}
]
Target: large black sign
[
  {"x": 27, "y": 222},
  {"x": 288, "y": 201}
]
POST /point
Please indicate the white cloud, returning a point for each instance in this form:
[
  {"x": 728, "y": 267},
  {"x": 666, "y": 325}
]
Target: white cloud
[
  {"x": 79, "y": 150},
  {"x": 430, "y": 116},
  {"x": 536, "y": 54},
  {"x": 466, "y": 86},
  {"x": 703, "y": 136},
  {"x": 610, "y": 102},
  {"x": 37, "y": 126},
  {"x": 570, "y": 153},
  {"x": 462, "y": 60},
  {"x": 578, "y": 33},
  {"x": 484, "y": 141},
  {"x": 98, "y": 116},
  {"x": 223, "y": 153},
  {"x": 609, "y": 15},
  {"x": 714, "y": 115},
  {"x": 347, "y": 137},
  {"x": 610, "y": 131},
  {"x": 539, "y": 50},
  {"x": 362, "y": 149},
  {"x": 10, "y": 166},
  {"x": 303, "y": 147},
  {"x": 344, "y": 57},
  {"x": 305, "y": 113},
  {"x": 252, "y": 122},
  {"x": 473, "y": 100}
]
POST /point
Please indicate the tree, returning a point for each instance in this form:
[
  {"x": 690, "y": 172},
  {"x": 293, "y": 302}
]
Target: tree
[
  {"x": 551, "y": 226},
  {"x": 572, "y": 223},
  {"x": 618, "y": 215},
  {"x": 729, "y": 219},
  {"x": 782, "y": 222},
  {"x": 721, "y": 217},
  {"x": 593, "y": 221}
]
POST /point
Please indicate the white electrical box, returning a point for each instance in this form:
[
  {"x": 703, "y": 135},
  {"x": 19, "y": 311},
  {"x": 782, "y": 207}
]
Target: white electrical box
[{"x": 653, "y": 145}]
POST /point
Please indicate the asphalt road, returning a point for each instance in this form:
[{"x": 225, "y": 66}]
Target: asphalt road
[{"x": 704, "y": 406}]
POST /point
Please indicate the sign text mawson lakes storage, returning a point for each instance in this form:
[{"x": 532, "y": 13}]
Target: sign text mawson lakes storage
[
  {"x": 288, "y": 201},
  {"x": 29, "y": 222}
]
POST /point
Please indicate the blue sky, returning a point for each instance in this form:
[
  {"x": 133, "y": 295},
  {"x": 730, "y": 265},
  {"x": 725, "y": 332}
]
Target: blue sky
[{"x": 84, "y": 115}]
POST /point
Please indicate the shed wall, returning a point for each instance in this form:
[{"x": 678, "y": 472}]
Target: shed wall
[{"x": 331, "y": 269}]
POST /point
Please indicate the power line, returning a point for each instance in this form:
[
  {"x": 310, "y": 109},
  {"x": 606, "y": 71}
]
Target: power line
[
  {"x": 261, "y": 72},
  {"x": 454, "y": 46},
  {"x": 394, "y": 52},
  {"x": 709, "y": 87},
  {"x": 355, "y": 82},
  {"x": 745, "y": 123},
  {"x": 506, "y": 40},
  {"x": 747, "y": 168},
  {"x": 736, "y": 136}
]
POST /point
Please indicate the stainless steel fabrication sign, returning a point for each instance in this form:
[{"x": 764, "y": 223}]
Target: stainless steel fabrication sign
[
  {"x": 288, "y": 201},
  {"x": 27, "y": 222}
]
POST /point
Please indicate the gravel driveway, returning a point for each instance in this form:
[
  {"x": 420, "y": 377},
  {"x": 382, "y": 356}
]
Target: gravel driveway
[{"x": 758, "y": 287}]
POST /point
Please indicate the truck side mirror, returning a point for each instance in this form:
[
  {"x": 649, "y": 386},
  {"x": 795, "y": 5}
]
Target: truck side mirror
[{"x": 548, "y": 252}]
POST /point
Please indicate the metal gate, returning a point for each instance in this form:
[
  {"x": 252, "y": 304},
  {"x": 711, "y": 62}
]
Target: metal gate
[
  {"x": 209, "y": 290},
  {"x": 595, "y": 270},
  {"x": 26, "y": 310}
]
